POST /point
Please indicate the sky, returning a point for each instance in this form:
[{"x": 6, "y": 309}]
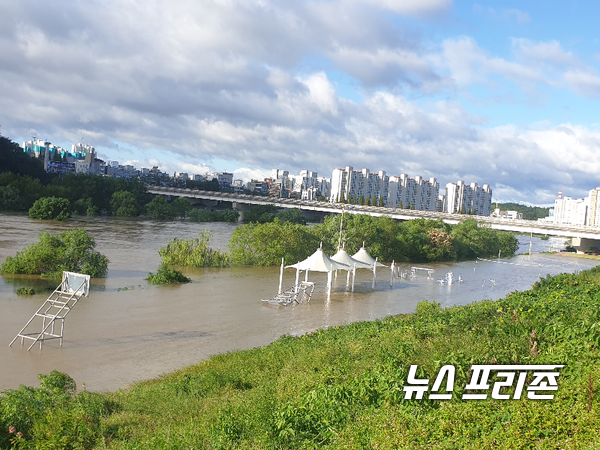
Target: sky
[{"x": 497, "y": 92}]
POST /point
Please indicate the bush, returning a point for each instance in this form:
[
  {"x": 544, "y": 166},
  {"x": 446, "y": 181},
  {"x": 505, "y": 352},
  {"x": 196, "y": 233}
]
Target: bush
[
  {"x": 25, "y": 291},
  {"x": 50, "y": 208},
  {"x": 71, "y": 251},
  {"x": 193, "y": 252},
  {"x": 22, "y": 407},
  {"x": 166, "y": 275}
]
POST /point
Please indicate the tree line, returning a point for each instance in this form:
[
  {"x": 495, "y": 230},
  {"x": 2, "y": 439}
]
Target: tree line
[
  {"x": 418, "y": 240},
  {"x": 25, "y": 186}
]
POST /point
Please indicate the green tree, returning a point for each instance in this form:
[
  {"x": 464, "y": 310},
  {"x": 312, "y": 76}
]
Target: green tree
[
  {"x": 471, "y": 240},
  {"x": 261, "y": 214},
  {"x": 14, "y": 159},
  {"x": 361, "y": 200},
  {"x": 85, "y": 206},
  {"x": 50, "y": 208},
  {"x": 400, "y": 205},
  {"x": 378, "y": 233},
  {"x": 181, "y": 207},
  {"x": 123, "y": 204},
  {"x": 342, "y": 198},
  {"x": 9, "y": 198},
  {"x": 381, "y": 202},
  {"x": 265, "y": 244},
  {"x": 71, "y": 251},
  {"x": 421, "y": 240},
  {"x": 159, "y": 209},
  {"x": 292, "y": 215}
]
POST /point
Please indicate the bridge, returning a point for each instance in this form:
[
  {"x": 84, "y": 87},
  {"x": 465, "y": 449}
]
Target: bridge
[{"x": 584, "y": 237}]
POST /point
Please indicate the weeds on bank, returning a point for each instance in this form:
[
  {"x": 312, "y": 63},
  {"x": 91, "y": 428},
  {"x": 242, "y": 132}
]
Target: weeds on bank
[{"x": 342, "y": 387}]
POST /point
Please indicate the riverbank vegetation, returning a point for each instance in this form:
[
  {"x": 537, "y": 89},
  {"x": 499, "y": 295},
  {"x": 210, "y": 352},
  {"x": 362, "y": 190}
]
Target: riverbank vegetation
[
  {"x": 71, "y": 251},
  {"x": 25, "y": 291},
  {"x": 50, "y": 208},
  {"x": 194, "y": 252},
  {"x": 204, "y": 215},
  {"x": 418, "y": 240},
  {"x": 342, "y": 388},
  {"x": 166, "y": 275}
]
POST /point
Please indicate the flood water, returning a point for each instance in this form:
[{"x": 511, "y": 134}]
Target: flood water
[{"x": 127, "y": 330}]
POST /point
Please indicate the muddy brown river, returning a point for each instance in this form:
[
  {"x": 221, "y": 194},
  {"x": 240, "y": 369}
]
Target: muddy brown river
[{"x": 127, "y": 330}]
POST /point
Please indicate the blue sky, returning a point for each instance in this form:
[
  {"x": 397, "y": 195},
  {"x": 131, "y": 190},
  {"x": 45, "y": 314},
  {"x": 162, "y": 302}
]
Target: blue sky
[{"x": 492, "y": 92}]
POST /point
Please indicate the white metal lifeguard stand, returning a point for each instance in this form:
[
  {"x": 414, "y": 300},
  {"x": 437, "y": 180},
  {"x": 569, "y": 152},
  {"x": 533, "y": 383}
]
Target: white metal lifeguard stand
[{"x": 55, "y": 308}]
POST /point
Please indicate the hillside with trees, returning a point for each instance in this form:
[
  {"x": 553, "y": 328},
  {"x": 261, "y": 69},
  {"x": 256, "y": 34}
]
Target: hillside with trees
[{"x": 529, "y": 212}]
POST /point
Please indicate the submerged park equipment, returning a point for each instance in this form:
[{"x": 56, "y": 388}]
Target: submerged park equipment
[
  {"x": 320, "y": 262},
  {"x": 55, "y": 309}
]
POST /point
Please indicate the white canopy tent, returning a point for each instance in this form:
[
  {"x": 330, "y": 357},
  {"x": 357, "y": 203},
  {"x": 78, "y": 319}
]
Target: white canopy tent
[
  {"x": 343, "y": 257},
  {"x": 318, "y": 262},
  {"x": 363, "y": 256}
]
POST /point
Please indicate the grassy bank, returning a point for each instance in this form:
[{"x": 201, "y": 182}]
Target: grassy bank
[{"x": 342, "y": 387}]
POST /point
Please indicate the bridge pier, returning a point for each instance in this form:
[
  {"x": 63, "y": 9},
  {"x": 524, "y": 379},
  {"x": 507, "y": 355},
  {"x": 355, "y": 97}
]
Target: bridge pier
[
  {"x": 583, "y": 244},
  {"x": 208, "y": 204},
  {"x": 241, "y": 208}
]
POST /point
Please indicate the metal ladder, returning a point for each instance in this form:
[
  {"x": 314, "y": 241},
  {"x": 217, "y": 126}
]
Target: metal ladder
[
  {"x": 295, "y": 294},
  {"x": 56, "y": 307}
]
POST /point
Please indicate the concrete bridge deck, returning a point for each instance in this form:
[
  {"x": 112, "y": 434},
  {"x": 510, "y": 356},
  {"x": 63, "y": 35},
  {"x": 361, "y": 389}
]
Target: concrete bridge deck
[{"x": 243, "y": 201}]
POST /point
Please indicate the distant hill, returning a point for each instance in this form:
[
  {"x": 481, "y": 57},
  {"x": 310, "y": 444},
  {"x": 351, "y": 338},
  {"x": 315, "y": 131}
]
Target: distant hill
[{"x": 529, "y": 212}]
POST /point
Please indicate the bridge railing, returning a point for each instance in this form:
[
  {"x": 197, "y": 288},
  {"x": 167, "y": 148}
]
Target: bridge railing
[{"x": 339, "y": 207}]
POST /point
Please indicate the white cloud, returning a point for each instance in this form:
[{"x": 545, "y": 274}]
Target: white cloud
[
  {"x": 549, "y": 52},
  {"x": 468, "y": 63},
  {"x": 253, "y": 82},
  {"x": 584, "y": 82},
  {"x": 246, "y": 174},
  {"x": 414, "y": 7}
]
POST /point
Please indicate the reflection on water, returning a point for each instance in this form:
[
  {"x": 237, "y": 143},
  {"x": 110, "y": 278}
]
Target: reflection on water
[{"x": 115, "y": 337}]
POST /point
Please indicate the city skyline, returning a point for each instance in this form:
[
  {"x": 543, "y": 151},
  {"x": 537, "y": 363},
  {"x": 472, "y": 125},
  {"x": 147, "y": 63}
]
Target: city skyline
[{"x": 490, "y": 92}]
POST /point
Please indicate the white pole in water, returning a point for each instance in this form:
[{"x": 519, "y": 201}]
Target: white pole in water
[
  {"x": 297, "y": 279},
  {"x": 329, "y": 283},
  {"x": 281, "y": 277},
  {"x": 348, "y": 278},
  {"x": 392, "y": 273},
  {"x": 374, "y": 272},
  {"x": 353, "y": 275},
  {"x": 530, "y": 242}
]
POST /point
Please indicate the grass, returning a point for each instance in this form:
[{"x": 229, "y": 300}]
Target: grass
[{"x": 341, "y": 388}]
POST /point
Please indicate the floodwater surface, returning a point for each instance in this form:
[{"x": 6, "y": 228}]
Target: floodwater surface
[{"x": 128, "y": 330}]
